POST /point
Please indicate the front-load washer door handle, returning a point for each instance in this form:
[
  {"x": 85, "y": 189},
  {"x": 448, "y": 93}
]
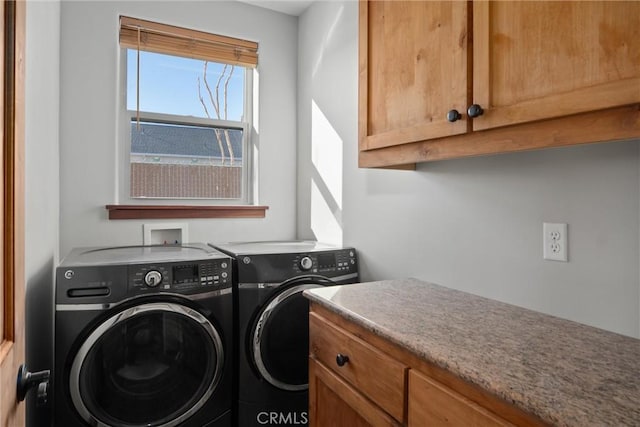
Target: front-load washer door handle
[{"x": 28, "y": 380}]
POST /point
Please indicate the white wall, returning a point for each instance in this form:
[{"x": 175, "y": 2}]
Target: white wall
[
  {"x": 471, "y": 224},
  {"x": 89, "y": 66},
  {"x": 42, "y": 183}
]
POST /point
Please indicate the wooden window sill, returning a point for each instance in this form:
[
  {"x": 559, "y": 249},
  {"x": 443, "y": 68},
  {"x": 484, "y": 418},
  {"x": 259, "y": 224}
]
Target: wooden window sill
[{"x": 184, "y": 211}]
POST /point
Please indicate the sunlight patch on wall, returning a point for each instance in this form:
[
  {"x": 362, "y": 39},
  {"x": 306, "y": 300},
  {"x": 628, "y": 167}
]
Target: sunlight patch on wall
[
  {"x": 326, "y": 177},
  {"x": 327, "y": 40}
]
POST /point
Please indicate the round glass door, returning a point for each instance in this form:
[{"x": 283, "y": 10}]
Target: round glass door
[
  {"x": 280, "y": 339},
  {"x": 154, "y": 365}
]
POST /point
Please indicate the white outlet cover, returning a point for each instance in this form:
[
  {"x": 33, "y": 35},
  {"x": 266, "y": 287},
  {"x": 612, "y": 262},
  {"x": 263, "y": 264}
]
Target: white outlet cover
[{"x": 555, "y": 241}]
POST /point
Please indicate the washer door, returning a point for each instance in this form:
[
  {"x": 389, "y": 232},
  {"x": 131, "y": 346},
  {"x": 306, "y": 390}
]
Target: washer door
[
  {"x": 280, "y": 336},
  {"x": 153, "y": 364}
]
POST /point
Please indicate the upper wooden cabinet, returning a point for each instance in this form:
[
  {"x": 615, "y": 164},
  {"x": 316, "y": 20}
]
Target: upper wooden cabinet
[
  {"x": 539, "y": 60},
  {"x": 414, "y": 70},
  {"x": 531, "y": 67}
]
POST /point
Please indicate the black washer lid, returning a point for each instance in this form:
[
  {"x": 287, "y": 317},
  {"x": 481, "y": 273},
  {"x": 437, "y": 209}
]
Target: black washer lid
[{"x": 139, "y": 254}]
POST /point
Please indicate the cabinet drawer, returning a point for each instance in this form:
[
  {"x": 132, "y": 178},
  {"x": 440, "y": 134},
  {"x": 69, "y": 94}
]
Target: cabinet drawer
[
  {"x": 434, "y": 404},
  {"x": 373, "y": 373}
]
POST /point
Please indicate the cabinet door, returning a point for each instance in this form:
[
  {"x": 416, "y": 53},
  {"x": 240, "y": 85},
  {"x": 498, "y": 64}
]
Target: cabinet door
[
  {"x": 374, "y": 374},
  {"x": 434, "y": 405},
  {"x": 413, "y": 70},
  {"x": 333, "y": 402},
  {"x": 537, "y": 60}
]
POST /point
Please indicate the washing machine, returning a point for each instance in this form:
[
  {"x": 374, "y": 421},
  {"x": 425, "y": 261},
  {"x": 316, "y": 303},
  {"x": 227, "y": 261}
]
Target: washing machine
[
  {"x": 143, "y": 337},
  {"x": 273, "y": 323}
]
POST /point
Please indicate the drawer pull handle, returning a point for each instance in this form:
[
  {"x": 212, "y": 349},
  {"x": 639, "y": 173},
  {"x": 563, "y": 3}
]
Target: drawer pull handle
[{"x": 341, "y": 359}]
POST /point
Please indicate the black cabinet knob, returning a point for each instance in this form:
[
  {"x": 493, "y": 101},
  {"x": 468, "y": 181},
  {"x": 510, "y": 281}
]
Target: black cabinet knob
[
  {"x": 454, "y": 116},
  {"x": 475, "y": 110},
  {"x": 341, "y": 359}
]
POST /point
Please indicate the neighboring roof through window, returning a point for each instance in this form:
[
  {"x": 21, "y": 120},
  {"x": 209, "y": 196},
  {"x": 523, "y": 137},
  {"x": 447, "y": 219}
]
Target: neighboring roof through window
[{"x": 159, "y": 138}]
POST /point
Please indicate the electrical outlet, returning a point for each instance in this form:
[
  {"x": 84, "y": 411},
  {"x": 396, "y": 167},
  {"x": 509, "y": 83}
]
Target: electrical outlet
[{"x": 556, "y": 241}]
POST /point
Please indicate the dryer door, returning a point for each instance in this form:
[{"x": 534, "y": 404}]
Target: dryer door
[
  {"x": 280, "y": 335},
  {"x": 152, "y": 364}
]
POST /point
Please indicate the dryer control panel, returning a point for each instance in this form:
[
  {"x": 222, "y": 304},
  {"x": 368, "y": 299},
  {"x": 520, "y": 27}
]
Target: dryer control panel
[
  {"x": 330, "y": 262},
  {"x": 340, "y": 265},
  {"x": 180, "y": 276}
]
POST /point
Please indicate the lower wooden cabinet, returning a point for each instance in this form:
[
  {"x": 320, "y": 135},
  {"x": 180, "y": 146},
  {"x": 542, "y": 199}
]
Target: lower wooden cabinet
[
  {"x": 433, "y": 404},
  {"x": 358, "y": 379}
]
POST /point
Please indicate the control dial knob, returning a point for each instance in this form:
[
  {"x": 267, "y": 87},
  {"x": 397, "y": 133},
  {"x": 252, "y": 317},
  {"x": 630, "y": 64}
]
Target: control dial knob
[
  {"x": 152, "y": 278},
  {"x": 306, "y": 263}
]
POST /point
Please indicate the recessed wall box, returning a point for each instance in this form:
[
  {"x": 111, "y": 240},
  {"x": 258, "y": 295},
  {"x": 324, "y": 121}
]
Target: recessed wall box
[{"x": 165, "y": 233}]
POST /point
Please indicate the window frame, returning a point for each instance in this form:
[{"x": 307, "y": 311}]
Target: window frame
[
  {"x": 124, "y": 144},
  {"x": 128, "y": 206}
]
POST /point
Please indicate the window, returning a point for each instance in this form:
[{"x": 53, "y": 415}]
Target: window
[{"x": 188, "y": 114}]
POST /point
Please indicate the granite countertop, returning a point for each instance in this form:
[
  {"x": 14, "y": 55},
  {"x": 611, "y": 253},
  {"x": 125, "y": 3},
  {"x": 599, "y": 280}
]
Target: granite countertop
[{"x": 566, "y": 373}]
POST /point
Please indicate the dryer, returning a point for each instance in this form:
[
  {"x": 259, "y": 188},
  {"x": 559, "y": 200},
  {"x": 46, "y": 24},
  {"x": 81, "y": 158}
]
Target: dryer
[
  {"x": 272, "y": 323},
  {"x": 143, "y": 337}
]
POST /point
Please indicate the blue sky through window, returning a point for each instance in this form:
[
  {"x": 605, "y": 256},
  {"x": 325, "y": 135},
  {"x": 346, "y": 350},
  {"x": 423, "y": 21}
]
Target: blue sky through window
[{"x": 169, "y": 85}]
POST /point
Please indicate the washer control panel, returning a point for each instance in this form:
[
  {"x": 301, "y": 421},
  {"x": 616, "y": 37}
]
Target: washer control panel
[{"x": 180, "y": 276}]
